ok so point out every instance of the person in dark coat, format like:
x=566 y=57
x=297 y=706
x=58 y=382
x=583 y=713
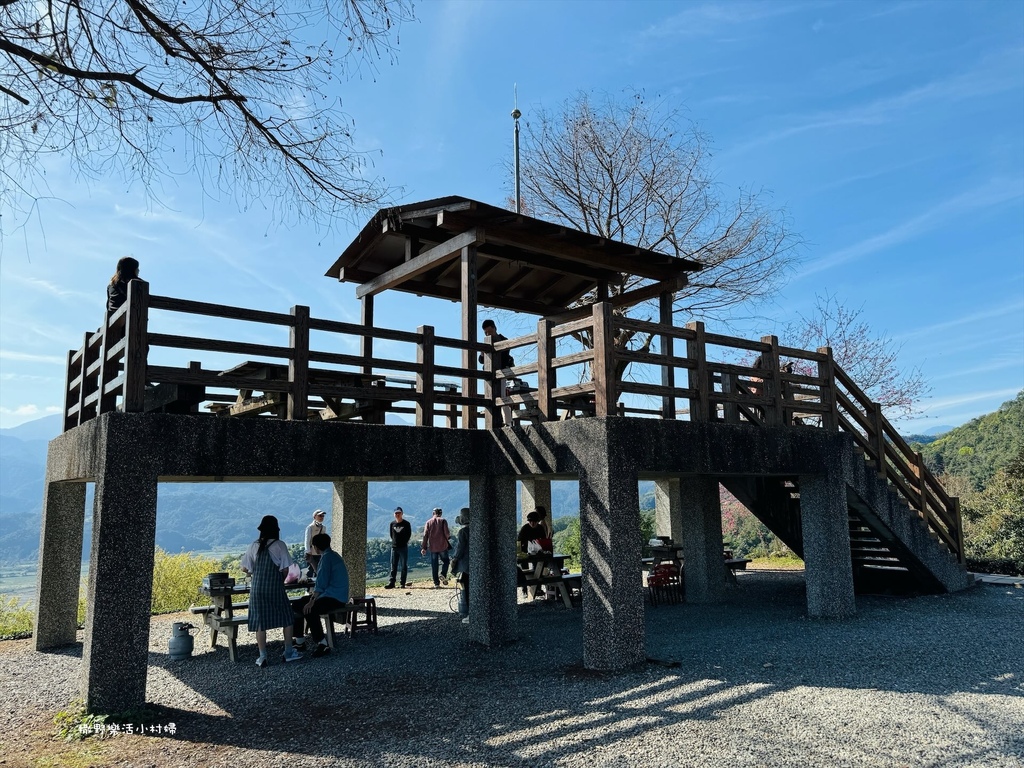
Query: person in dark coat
x=460 y=562
x=117 y=289
x=400 y=532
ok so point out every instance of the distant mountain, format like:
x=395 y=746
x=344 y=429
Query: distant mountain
x=208 y=516
x=980 y=447
x=45 y=428
x=939 y=430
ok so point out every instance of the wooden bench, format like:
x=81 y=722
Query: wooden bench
x=203 y=610
x=555 y=580
x=229 y=626
x=349 y=618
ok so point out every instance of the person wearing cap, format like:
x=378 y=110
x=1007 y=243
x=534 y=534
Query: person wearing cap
x=400 y=532
x=267 y=561
x=460 y=562
x=314 y=528
x=436 y=541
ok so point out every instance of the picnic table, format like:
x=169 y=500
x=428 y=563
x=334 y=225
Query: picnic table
x=327 y=384
x=546 y=569
x=220 y=615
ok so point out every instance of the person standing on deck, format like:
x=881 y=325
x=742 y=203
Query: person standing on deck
x=503 y=360
x=436 y=541
x=330 y=592
x=314 y=528
x=400 y=532
x=267 y=561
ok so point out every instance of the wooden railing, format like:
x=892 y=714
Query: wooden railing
x=690 y=374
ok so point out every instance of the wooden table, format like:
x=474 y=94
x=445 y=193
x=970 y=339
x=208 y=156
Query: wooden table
x=220 y=616
x=536 y=567
x=274 y=397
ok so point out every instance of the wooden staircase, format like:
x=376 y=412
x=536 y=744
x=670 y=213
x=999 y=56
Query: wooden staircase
x=893 y=547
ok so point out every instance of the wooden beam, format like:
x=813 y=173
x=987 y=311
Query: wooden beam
x=627 y=299
x=420 y=264
x=469 y=300
x=646 y=264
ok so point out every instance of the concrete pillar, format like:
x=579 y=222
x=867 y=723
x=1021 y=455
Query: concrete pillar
x=348 y=531
x=828 y=565
x=60 y=563
x=704 y=569
x=613 y=595
x=115 y=655
x=536 y=492
x=493 y=616
x=668 y=511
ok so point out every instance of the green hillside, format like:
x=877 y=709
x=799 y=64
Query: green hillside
x=980 y=447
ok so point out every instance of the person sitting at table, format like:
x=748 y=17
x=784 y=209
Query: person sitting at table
x=544 y=521
x=267 y=561
x=330 y=592
x=317 y=526
x=533 y=530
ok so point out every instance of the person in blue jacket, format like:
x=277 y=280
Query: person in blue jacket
x=330 y=592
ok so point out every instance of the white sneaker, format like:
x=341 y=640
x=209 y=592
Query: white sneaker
x=466 y=620
x=292 y=655
x=261 y=662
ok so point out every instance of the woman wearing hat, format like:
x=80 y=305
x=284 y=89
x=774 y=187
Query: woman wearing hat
x=267 y=561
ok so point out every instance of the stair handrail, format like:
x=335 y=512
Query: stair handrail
x=898 y=464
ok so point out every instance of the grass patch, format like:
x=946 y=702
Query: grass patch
x=15 y=618
x=783 y=563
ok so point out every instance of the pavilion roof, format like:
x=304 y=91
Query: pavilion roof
x=523 y=264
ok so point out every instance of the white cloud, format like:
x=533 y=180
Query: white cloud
x=996 y=192
x=30 y=409
x=974 y=317
x=28 y=357
x=996 y=73
x=710 y=19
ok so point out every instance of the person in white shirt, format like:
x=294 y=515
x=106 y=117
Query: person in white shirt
x=314 y=528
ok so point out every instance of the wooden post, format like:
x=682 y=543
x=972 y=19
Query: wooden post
x=83 y=387
x=878 y=437
x=603 y=366
x=827 y=387
x=960 y=555
x=920 y=472
x=69 y=376
x=366 y=342
x=696 y=350
x=136 y=346
x=108 y=370
x=771 y=384
x=298 y=364
x=545 y=373
x=668 y=373
x=469 y=332
x=491 y=388
x=730 y=410
x=425 y=377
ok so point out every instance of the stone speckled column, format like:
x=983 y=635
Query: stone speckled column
x=826 y=537
x=668 y=510
x=613 y=596
x=704 y=569
x=60 y=563
x=348 y=531
x=115 y=655
x=493 y=616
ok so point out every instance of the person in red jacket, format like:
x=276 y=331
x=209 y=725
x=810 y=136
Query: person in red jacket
x=437 y=541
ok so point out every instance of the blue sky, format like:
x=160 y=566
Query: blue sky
x=892 y=134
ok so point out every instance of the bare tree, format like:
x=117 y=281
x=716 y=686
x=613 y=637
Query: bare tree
x=638 y=173
x=126 y=85
x=870 y=358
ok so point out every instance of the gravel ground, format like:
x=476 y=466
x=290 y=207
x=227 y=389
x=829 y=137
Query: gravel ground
x=921 y=681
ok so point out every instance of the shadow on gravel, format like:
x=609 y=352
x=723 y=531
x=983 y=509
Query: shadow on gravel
x=422 y=691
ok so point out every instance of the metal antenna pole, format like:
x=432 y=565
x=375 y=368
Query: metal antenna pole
x=516 y=114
